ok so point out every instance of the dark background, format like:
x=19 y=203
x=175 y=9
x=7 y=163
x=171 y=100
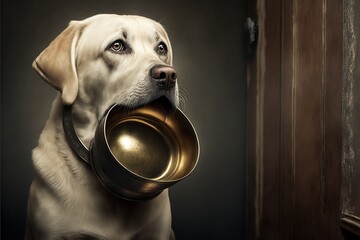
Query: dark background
x=210 y=61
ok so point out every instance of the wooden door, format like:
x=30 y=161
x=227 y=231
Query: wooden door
x=295 y=122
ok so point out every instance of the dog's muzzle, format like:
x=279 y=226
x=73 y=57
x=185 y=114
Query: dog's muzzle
x=137 y=154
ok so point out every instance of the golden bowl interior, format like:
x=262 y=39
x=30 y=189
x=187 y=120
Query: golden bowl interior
x=153 y=142
x=143 y=148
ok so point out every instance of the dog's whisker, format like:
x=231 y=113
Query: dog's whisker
x=183 y=96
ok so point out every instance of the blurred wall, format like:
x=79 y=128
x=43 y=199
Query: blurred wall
x=209 y=58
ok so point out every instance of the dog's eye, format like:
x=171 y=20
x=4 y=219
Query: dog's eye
x=161 y=49
x=118 y=46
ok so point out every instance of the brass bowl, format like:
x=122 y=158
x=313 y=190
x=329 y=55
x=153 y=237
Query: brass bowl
x=138 y=153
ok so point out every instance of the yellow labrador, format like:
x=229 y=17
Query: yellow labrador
x=94 y=63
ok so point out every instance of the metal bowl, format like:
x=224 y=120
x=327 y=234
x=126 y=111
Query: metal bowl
x=138 y=153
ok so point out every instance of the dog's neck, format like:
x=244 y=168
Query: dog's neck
x=85 y=121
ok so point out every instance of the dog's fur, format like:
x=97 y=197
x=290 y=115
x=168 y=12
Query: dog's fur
x=66 y=201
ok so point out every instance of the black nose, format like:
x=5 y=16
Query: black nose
x=164 y=76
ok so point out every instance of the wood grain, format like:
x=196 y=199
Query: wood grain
x=294 y=176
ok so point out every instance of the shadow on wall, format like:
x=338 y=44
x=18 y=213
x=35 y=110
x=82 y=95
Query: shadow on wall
x=209 y=58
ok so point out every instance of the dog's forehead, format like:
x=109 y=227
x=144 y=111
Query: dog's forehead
x=130 y=26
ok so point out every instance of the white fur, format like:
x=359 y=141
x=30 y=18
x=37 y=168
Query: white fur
x=66 y=201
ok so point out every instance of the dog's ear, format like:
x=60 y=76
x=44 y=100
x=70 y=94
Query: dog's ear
x=56 y=64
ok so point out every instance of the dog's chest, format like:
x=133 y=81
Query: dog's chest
x=70 y=202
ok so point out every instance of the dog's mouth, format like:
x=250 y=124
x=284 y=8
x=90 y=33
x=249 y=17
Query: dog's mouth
x=169 y=102
x=161 y=100
x=143 y=101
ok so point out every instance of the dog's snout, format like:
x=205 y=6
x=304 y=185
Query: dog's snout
x=164 y=76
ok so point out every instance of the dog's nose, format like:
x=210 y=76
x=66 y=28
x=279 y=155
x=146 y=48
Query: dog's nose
x=165 y=76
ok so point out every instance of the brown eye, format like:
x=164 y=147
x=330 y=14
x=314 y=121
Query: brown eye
x=161 y=49
x=118 y=46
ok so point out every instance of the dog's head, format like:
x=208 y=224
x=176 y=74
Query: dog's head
x=109 y=59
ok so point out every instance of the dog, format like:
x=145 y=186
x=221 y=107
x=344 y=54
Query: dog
x=94 y=63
